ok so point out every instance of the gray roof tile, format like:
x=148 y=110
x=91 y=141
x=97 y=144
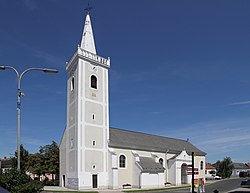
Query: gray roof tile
x=148 y=164
x=147 y=142
x=240 y=166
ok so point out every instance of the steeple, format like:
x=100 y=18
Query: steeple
x=88 y=42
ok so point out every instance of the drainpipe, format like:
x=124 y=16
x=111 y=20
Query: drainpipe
x=166 y=165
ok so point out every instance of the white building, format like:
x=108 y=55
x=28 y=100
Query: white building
x=93 y=155
x=239 y=167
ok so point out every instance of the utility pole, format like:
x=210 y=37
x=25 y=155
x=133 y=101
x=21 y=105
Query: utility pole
x=19 y=95
x=192 y=172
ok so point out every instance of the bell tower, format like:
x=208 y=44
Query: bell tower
x=84 y=147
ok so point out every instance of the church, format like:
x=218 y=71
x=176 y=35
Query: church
x=95 y=156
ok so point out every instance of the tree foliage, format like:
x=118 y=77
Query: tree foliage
x=46 y=161
x=224 y=168
x=19 y=182
x=50 y=155
x=35 y=164
x=24 y=155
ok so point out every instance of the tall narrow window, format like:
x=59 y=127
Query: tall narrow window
x=161 y=161
x=93 y=82
x=201 y=165
x=72 y=84
x=122 y=161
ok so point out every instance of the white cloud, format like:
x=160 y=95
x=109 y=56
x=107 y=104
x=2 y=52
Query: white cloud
x=48 y=58
x=239 y=103
x=228 y=140
x=32 y=141
x=218 y=138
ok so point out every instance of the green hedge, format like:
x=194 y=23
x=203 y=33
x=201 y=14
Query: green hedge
x=51 y=182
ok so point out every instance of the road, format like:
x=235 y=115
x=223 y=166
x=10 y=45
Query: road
x=223 y=186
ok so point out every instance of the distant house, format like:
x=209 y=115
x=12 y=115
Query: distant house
x=209 y=168
x=239 y=167
x=5 y=164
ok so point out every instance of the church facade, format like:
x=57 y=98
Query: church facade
x=93 y=155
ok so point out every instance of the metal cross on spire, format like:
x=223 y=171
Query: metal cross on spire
x=88 y=9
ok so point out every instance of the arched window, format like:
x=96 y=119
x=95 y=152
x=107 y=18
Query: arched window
x=93 y=82
x=201 y=165
x=122 y=161
x=161 y=161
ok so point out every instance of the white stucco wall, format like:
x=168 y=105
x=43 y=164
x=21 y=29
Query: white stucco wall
x=175 y=165
x=152 y=180
x=131 y=173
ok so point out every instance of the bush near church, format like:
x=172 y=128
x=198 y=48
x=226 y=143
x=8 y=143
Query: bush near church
x=19 y=182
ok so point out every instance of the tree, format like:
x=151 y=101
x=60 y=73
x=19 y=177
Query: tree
x=50 y=155
x=46 y=161
x=24 y=154
x=225 y=167
x=35 y=164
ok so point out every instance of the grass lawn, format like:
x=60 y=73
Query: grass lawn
x=158 y=189
x=68 y=191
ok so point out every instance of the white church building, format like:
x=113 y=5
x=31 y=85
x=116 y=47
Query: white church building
x=93 y=155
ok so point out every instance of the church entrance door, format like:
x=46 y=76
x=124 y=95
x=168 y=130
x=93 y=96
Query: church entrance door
x=94 y=181
x=184 y=174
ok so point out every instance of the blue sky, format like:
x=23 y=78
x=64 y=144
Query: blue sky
x=178 y=68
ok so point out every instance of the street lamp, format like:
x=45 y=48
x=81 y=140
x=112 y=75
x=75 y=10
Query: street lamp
x=19 y=95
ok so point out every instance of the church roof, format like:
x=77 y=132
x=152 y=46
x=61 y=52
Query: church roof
x=148 y=164
x=147 y=142
x=88 y=42
x=209 y=166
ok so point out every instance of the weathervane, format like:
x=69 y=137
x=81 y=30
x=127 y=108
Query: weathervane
x=88 y=9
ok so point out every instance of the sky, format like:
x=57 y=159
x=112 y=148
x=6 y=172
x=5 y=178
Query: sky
x=179 y=69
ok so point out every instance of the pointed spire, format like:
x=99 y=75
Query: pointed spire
x=88 y=42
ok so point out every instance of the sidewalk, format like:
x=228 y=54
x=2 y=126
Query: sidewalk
x=60 y=189
x=56 y=189
x=240 y=190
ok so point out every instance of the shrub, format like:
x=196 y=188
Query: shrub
x=51 y=182
x=212 y=172
x=18 y=182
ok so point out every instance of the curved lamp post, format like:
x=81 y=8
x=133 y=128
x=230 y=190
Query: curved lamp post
x=19 y=95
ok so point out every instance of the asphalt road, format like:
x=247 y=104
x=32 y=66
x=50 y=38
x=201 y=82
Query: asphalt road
x=223 y=186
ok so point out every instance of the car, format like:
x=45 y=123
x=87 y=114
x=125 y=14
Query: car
x=212 y=177
x=245 y=184
x=217 y=177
